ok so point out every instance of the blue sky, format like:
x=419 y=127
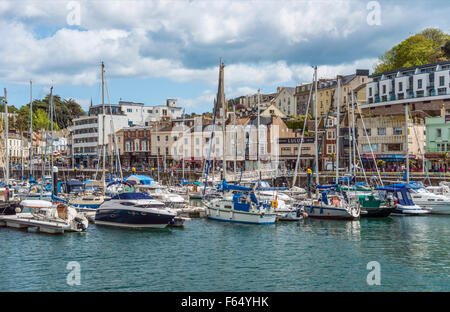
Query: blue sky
x=155 y=50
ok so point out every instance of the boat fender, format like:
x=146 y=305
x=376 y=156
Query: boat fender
x=274 y=204
x=305 y=215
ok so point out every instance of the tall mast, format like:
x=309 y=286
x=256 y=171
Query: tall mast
x=338 y=126
x=31 y=128
x=7 y=139
x=235 y=137
x=406 y=142
x=353 y=135
x=257 y=139
x=350 y=140
x=223 y=102
x=103 y=127
x=51 y=130
x=316 y=132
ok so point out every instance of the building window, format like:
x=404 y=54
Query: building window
x=367 y=148
x=369 y=131
x=439 y=133
x=157 y=138
x=370 y=91
x=136 y=145
x=331 y=135
x=396 y=147
x=400 y=86
x=419 y=84
x=384 y=89
x=397 y=131
x=167 y=138
x=441 y=81
x=129 y=110
x=381 y=131
x=128 y=146
x=331 y=148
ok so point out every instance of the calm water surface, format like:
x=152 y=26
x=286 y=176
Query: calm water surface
x=311 y=255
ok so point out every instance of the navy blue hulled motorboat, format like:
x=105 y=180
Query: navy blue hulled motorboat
x=134 y=210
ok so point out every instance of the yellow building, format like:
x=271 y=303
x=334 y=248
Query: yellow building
x=325 y=89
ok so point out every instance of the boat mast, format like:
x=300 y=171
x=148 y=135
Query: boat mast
x=301 y=140
x=257 y=139
x=7 y=139
x=353 y=136
x=51 y=131
x=223 y=102
x=103 y=127
x=406 y=142
x=338 y=126
x=315 y=124
x=350 y=162
x=235 y=138
x=31 y=128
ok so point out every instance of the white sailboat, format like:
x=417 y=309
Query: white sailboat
x=330 y=204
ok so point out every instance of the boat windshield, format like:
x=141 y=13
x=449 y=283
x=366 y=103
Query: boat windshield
x=420 y=191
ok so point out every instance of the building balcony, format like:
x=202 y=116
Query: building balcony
x=436 y=150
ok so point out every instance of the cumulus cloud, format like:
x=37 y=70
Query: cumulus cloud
x=263 y=43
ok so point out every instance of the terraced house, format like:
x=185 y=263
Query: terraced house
x=426 y=88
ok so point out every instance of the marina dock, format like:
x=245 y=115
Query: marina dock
x=25 y=221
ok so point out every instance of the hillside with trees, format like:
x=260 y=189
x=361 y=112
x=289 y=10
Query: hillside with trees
x=429 y=46
x=65 y=111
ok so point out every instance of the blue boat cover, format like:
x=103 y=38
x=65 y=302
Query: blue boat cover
x=325 y=187
x=143 y=179
x=224 y=186
x=132 y=196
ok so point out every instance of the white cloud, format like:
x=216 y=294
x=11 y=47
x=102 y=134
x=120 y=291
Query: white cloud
x=264 y=43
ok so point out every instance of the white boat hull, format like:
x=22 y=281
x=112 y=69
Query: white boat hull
x=436 y=207
x=228 y=215
x=325 y=212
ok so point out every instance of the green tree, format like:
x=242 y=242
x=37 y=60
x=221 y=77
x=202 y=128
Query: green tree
x=297 y=123
x=423 y=48
x=65 y=110
x=446 y=49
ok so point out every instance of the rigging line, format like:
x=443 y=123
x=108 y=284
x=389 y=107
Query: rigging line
x=303 y=135
x=368 y=141
x=321 y=139
x=113 y=133
x=420 y=150
x=362 y=166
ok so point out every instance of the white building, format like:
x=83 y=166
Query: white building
x=424 y=87
x=87 y=131
x=285 y=100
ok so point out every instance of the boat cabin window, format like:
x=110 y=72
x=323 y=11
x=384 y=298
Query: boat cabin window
x=127 y=203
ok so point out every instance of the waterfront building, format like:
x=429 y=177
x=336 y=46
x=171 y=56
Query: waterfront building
x=386 y=138
x=425 y=88
x=86 y=131
x=18 y=147
x=327 y=89
x=437 y=141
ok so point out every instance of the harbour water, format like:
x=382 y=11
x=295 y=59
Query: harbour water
x=310 y=255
